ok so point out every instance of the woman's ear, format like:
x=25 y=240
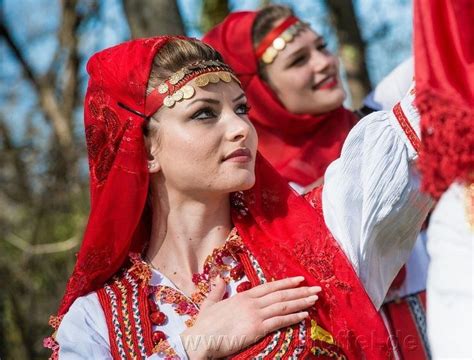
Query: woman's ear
x=153 y=148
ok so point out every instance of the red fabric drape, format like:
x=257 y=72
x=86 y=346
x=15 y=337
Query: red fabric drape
x=285 y=233
x=444 y=74
x=299 y=146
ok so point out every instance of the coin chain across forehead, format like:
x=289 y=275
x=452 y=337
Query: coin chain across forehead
x=281 y=41
x=188 y=91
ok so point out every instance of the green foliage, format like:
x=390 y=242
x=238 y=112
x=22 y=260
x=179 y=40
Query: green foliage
x=213 y=12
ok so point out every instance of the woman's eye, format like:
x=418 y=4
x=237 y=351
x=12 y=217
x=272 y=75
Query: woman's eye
x=322 y=46
x=300 y=60
x=203 y=114
x=242 y=109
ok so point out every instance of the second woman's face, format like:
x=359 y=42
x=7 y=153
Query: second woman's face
x=305 y=76
x=207 y=144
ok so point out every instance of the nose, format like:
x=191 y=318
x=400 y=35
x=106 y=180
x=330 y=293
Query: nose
x=238 y=128
x=321 y=60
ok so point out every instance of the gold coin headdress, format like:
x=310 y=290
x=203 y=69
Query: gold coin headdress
x=177 y=87
x=277 y=39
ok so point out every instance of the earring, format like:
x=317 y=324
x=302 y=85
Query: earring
x=150 y=166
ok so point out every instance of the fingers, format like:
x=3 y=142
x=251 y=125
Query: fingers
x=277 y=322
x=218 y=287
x=288 y=294
x=288 y=307
x=269 y=287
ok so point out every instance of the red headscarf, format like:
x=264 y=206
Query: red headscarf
x=444 y=73
x=286 y=235
x=299 y=146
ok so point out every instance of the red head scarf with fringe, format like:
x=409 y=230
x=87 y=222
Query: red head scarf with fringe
x=284 y=232
x=444 y=74
x=299 y=146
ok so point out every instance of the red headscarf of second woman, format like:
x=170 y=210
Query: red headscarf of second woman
x=296 y=109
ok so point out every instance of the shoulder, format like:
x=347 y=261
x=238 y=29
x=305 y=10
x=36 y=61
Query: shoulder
x=84 y=316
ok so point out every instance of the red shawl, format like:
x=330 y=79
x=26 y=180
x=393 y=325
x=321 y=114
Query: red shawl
x=287 y=236
x=299 y=146
x=444 y=73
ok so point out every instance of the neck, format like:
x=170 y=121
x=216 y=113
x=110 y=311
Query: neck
x=186 y=229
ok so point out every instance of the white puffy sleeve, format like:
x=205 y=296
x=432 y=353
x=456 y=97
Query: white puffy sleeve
x=371 y=199
x=450 y=276
x=83 y=331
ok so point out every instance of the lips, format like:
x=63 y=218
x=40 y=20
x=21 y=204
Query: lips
x=327 y=83
x=239 y=155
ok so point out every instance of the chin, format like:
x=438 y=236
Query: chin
x=331 y=101
x=243 y=183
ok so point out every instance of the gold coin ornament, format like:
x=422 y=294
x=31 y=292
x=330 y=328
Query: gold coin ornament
x=168 y=101
x=178 y=95
x=286 y=36
x=225 y=76
x=269 y=55
x=202 y=80
x=279 y=43
x=163 y=88
x=188 y=91
x=176 y=77
x=213 y=78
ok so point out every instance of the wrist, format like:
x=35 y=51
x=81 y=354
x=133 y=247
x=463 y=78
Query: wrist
x=194 y=346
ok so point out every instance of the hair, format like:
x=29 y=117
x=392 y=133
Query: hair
x=173 y=56
x=264 y=23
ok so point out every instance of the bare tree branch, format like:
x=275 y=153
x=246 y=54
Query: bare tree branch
x=21 y=175
x=352 y=48
x=68 y=41
x=152 y=18
x=41 y=249
x=45 y=93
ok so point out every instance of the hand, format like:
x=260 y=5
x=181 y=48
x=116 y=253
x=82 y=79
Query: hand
x=224 y=327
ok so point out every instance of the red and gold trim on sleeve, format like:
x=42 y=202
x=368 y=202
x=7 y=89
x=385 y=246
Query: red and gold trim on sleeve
x=406 y=127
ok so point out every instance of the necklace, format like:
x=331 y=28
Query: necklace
x=216 y=264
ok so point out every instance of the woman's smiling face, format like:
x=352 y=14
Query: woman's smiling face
x=305 y=76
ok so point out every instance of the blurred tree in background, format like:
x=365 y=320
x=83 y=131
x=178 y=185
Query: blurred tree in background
x=150 y=18
x=44 y=195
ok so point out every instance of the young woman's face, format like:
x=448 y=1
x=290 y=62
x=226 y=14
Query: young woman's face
x=206 y=144
x=305 y=76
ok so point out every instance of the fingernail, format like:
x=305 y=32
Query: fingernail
x=298 y=278
x=304 y=314
x=315 y=288
x=311 y=299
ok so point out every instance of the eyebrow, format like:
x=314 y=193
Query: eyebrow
x=214 y=101
x=239 y=97
x=301 y=49
x=208 y=100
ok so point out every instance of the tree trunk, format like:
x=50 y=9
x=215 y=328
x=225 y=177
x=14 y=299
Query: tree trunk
x=151 y=18
x=352 y=49
x=213 y=12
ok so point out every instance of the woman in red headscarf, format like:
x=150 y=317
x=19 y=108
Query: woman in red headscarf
x=196 y=247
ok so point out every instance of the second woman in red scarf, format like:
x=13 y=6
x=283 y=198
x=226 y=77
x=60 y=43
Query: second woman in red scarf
x=293 y=86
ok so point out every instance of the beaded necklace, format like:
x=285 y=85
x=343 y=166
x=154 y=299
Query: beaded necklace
x=214 y=265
